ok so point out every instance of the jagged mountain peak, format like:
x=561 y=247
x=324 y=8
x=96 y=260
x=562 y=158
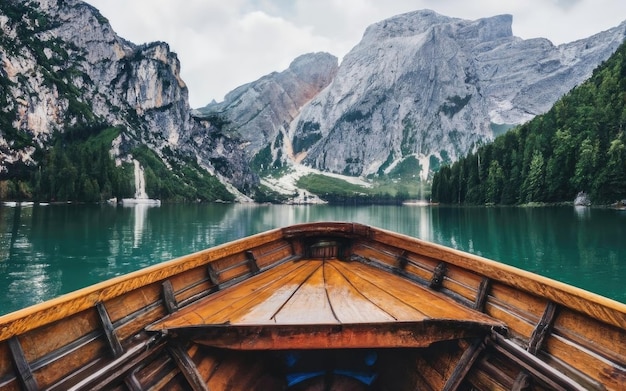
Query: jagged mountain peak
x=261 y=110
x=431 y=88
x=422 y=21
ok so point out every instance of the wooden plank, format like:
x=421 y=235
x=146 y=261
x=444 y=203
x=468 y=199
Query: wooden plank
x=517 y=326
x=66 y=365
x=235 y=271
x=398 y=309
x=422 y=270
x=30 y=318
x=543 y=329
x=609 y=374
x=519 y=310
x=341 y=229
x=348 y=304
x=367 y=251
x=157 y=373
x=309 y=303
x=24 y=372
x=464 y=365
x=602 y=339
x=187 y=367
x=333 y=336
x=7 y=368
x=38 y=345
x=432 y=304
x=274 y=286
x=114 y=370
x=136 y=323
x=169 y=298
x=132 y=302
x=273 y=298
x=438 y=275
x=109 y=331
x=273 y=252
x=489 y=377
x=539 y=369
x=186 y=283
x=482 y=294
x=591 y=304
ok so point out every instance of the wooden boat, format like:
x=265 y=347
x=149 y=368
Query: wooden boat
x=320 y=306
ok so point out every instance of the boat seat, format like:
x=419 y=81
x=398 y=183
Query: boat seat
x=325 y=304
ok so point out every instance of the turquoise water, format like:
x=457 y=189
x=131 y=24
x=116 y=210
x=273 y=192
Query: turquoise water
x=46 y=251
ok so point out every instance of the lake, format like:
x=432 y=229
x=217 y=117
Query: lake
x=46 y=251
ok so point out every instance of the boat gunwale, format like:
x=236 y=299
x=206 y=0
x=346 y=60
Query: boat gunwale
x=37 y=315
x=517 y=278
x=512 y=276
x=30 y=318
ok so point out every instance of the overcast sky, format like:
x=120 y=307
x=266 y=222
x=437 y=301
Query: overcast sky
x=223 y=44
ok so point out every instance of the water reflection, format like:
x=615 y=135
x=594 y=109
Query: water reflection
x=47 y=251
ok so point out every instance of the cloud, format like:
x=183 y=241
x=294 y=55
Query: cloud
x=224 y=44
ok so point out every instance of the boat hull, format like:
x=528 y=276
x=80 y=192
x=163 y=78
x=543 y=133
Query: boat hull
x=485 y=325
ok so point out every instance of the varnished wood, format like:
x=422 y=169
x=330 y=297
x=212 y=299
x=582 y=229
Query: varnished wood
x=187 y=367
x=169 y=299
x=555 y=379
x=363 y=288
x=332 y=336
x=437 y=279
x=109 y=331
x=24 y=371
x=482 y=294
x=464 y=365
x=306 y=296
x=543 y=328
x=591 y=304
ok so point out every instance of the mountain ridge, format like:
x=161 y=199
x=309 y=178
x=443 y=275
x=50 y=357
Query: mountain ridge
x=419 y=90
x=64 y=67
x=441 y=84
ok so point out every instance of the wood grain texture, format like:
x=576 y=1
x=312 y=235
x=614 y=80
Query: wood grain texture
x=379 y=299
x=59 y=308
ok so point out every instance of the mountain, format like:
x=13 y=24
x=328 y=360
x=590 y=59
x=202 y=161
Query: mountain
x=426 y=87
x=262 y=110
x=78 y=104
x=577 y=147
x=65 y=74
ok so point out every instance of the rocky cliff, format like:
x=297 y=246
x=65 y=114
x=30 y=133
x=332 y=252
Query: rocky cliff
x=262 y=111
x=63 y=67
x=430 y=87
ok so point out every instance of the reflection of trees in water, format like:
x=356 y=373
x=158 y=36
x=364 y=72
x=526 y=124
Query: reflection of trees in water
x=25 y=275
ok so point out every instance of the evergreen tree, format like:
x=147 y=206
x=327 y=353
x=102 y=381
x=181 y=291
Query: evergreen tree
x=579 y=145
x=534 y=184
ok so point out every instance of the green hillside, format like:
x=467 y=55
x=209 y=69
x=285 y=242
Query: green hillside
x=579 y=145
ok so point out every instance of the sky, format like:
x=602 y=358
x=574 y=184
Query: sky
x=223 y=44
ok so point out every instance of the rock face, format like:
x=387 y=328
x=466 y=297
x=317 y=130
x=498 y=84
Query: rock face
x=63 y=67
x=261 y=110
x=431 y=87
